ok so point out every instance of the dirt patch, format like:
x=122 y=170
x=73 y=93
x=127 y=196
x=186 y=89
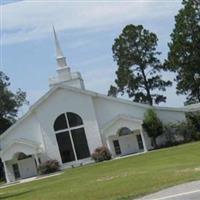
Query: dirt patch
x=108 y=178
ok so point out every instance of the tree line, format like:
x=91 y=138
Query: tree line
x=139 y=73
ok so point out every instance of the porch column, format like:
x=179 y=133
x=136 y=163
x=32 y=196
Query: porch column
x=37 y=160
x=143 y=139
x=6 y=172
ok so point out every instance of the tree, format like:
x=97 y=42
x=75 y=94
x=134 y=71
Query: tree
x=9 y=103
x=193 y=119
x=138 y=72
x=184 y=50
x=153 y=126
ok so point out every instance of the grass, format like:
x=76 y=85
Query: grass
x=115 y=180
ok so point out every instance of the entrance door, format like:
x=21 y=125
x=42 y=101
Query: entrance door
x=117 y=147
x=27 y=167
x=16 y=171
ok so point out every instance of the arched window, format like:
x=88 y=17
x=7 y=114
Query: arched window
x=21 y=156
x=124 y=131
x=71 y=138
x=74 y=119
x=60 y=123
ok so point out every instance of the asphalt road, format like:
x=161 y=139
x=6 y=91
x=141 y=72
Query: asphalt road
x=187 y=191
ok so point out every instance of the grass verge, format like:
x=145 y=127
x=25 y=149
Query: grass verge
x=121 y=179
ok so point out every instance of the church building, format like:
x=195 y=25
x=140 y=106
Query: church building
x=69 y=122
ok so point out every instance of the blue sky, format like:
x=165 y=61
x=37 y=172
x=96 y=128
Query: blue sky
x=86 y=30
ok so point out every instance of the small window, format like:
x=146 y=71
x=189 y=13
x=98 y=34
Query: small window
x=16 y=171
x=124 y=131
x=22 y=156
x=117 y=147
x=60 y=123
x=140 y=143
x=74 y=119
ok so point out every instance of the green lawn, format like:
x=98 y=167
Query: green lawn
x=115 y=180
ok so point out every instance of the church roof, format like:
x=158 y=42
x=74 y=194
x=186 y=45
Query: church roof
x=92 y=94
x=193 y=107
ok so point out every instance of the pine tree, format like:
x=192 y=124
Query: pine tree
x=138 y=73
x=184 y=50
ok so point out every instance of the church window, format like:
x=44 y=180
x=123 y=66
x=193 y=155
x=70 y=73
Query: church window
x=124 y=131
x=60 y=123
x=74 y=119
x=71 y=138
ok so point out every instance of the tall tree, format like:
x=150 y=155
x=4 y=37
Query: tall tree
x=184 y=50
x=138 y=73
x=9 y=103
x=9 y=106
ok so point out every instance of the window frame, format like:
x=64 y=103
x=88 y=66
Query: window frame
x=120 y=132
x=70 y=129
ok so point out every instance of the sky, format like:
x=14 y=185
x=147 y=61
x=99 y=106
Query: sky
x=86 y=31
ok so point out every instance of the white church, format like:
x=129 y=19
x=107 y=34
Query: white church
x=69 y=122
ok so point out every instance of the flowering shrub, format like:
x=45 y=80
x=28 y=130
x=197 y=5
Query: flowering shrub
x=101 y=153
x=48 y=167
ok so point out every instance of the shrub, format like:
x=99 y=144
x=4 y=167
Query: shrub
x=180 y=133
x=48 y=167
x=101 y=153
x=153 y=126
x=193 y=119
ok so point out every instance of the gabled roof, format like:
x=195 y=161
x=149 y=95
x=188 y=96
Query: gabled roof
x=23 y=141
x=121 y=116
x=85 y=92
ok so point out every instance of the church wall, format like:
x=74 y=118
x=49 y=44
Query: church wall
x=62 y=101
x=168 y=116
x=106 y=110
x=28 y=129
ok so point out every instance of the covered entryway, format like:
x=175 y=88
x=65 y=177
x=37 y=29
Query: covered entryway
x=124 y=135
x=25 y=166
x=22 y=166
x=126 y=142
x=20 y=159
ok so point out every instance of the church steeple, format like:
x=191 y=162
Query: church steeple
x=60 y=58
x=65 y=76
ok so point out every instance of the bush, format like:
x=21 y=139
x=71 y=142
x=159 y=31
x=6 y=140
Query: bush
x=48 y=167
x=153 y=126
x=180 y=133
x=101 y=153
x=193 y=119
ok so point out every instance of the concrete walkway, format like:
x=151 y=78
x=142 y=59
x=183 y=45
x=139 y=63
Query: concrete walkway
x=30 y=179
x=187 y=191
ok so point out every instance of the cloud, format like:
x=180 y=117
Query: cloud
x=29 y=20
x=100 y=79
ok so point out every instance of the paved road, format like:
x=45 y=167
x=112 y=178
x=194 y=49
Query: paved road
x=188 y=191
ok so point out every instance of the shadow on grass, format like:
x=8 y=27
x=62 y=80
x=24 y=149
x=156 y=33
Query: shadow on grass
x=16 y=194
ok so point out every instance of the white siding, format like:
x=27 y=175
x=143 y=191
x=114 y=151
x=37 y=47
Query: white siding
x=63 y=101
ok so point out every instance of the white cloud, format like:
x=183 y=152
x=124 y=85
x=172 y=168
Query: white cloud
x=31 y=19
x=100 y=79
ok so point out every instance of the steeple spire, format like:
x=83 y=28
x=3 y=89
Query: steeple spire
x=60 y=58
x=64 y=74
